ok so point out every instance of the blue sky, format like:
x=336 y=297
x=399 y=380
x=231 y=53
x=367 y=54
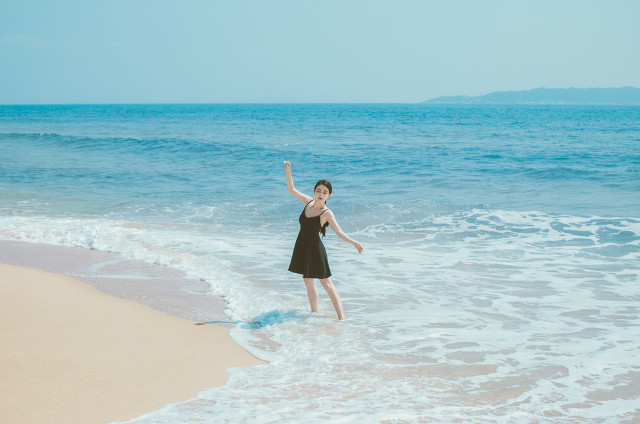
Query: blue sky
x=154 y=51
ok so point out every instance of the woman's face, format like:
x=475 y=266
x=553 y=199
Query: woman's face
x=322 y=193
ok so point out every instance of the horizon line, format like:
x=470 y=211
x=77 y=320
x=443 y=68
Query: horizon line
x=420 y=103
x=203 y=103
x=133 y=103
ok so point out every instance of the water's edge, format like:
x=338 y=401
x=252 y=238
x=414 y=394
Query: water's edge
x=158 y=287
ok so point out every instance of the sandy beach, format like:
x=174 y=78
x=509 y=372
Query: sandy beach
x=72 y=354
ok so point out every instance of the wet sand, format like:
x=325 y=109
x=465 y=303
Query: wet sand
x=161 y=288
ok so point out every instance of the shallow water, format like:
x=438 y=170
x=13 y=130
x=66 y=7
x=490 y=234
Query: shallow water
x=499 y=281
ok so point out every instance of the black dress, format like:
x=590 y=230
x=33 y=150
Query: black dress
x=309 y=256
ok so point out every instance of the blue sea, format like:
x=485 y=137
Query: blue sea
x=500 y=281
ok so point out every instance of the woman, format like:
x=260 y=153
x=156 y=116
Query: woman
x=309 y=256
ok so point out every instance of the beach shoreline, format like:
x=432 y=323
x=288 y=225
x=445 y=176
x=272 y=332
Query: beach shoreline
x=158 y=287
x=72 y=353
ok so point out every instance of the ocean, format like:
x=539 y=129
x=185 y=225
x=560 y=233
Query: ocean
x=500 y=281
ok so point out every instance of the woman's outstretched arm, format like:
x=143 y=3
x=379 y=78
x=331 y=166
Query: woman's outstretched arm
x=298 y=195
x=336 y=228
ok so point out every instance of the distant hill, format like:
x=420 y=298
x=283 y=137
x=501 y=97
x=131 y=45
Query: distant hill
x=617 y=96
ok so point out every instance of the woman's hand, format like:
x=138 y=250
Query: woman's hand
x=287 y=165
x=358 y=247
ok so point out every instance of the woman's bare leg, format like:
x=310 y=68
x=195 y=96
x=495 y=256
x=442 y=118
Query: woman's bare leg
x=334 y=295
x=312 y=293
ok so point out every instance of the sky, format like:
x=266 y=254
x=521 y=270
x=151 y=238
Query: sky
x=322 y=51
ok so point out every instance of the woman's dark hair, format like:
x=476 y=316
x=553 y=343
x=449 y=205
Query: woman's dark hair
x=327 y=184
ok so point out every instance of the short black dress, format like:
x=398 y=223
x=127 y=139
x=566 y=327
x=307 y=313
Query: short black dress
x=309 y=256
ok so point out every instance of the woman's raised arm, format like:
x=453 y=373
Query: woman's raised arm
x=298 y=195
